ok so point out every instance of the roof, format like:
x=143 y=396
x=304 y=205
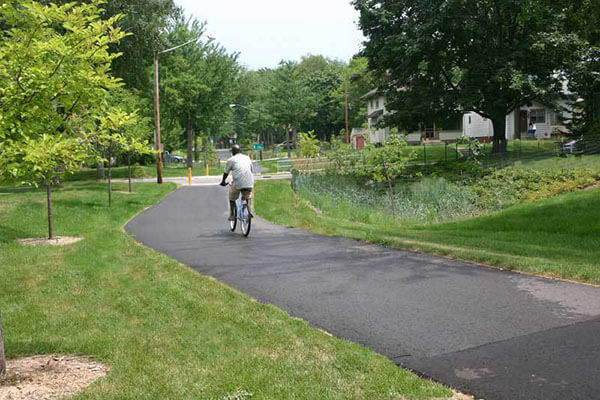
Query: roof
x=376 y=113
x=371 y=93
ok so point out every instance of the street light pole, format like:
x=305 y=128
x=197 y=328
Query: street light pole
x=260 y=138
x=159 y=178
x=159 y=164
x=347 y=124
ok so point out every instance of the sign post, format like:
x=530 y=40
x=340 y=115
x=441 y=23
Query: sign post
x=258 y=147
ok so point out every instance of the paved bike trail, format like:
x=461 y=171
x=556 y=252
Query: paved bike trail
x=494 y=334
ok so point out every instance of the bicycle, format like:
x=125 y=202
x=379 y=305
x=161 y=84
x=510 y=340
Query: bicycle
x=244 y=216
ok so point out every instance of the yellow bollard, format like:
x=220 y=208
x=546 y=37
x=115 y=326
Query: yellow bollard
x=190 y=176
x=207 y=170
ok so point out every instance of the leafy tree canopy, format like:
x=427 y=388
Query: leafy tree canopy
x=449 y=57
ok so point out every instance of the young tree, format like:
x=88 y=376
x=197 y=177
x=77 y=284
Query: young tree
x=309 y=144
x=2 y=357
x=117 y=136
x=385 y=163
x=450 y=57
x=138 y=127
x=54 y=81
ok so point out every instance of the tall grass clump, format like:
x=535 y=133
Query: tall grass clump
x=424 y=201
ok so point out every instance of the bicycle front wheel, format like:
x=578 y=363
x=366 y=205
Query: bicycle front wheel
x=233 y=224
x=246 y=220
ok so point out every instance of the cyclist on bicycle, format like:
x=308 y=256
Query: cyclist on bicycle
x=240 y=165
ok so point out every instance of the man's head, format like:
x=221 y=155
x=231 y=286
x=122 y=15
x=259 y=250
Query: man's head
x=235 y=149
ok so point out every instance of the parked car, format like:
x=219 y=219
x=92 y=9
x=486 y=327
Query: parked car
x=573 y=147
x=170 y=158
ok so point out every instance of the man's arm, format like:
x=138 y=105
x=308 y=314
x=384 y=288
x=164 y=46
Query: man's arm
x=223 y=183
x=228 y=167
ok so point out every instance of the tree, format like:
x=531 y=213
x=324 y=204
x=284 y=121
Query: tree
x=145 y=21
x=309 y=144
x=450 y=57
x=383 y=164
x=54 y=81
x=138 y=129
x=116 y=135
x=197 y=80
x=583 y=19
x=2 y=357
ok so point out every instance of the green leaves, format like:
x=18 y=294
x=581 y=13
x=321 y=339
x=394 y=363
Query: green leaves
x=54 y=83
x=457 y=56
x=309 y=144
x=384 y=163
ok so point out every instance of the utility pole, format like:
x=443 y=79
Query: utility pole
x=347 y=125
x=159 y=178
x=159 y=164
x=289 y=130
x=260 y=137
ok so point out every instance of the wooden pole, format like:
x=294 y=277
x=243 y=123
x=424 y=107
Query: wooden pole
x=260 y=137
x=347 y=124
x=159 y=178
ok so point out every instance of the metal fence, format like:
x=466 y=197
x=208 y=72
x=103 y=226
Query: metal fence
x=424 y=156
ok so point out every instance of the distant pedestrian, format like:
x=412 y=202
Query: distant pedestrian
x=532 y=128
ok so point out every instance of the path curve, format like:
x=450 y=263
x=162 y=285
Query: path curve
x=494 y=334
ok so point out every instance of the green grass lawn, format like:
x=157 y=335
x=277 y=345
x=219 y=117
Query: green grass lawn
x=557 y=237
x=147 y=171
x=165 y=331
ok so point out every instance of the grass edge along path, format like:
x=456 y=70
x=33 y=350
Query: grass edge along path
x=164 y=330
x=558 y=237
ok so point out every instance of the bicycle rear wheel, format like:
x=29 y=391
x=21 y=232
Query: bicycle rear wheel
x=246 y=220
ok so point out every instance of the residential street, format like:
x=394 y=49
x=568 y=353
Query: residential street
x=493 y=334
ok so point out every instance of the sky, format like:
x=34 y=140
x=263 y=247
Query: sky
x=265 y=32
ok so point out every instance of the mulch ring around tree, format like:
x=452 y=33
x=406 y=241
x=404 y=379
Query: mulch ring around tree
x=48 y=377
x=56 y=241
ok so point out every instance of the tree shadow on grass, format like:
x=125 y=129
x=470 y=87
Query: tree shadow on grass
x=9 y=235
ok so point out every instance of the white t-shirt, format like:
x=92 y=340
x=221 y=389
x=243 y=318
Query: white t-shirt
x=241 y=170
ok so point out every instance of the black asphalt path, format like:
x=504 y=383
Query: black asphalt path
x=494 y=334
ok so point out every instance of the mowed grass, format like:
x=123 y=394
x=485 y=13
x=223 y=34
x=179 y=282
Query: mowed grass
x=557 y=237
x=165 y=331
x=147 y=171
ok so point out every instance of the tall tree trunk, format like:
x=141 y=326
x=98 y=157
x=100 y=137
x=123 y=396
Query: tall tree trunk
x=50 y=218
x=2 y=358
x=129 y=165
x=196 y=151
x=391 y=189
x=499 y=124
x=109 y=183
x=100 y=171
x=190 y=144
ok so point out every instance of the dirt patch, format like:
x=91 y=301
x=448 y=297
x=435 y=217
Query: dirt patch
x=122 y=192
x=461 y=396
x=592 y=186
x=57 y=241
x=48 y=377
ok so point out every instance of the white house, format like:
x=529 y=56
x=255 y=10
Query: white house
x=471 y=124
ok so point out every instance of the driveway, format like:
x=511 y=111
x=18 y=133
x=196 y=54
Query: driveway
x=491 y=333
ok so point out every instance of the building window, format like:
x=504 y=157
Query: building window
x=377 y=104
x=537 y=116
x=469 y=120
